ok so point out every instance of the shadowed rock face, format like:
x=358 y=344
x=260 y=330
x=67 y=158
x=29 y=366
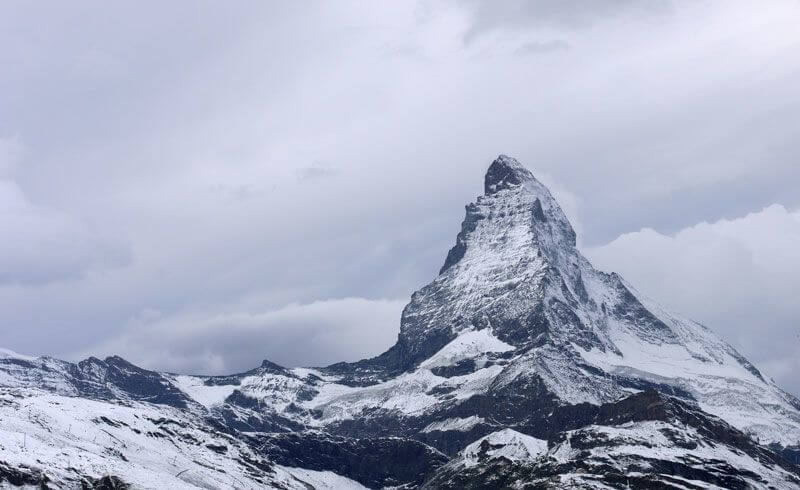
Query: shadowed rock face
x=520 y=363
x=504 y=173
x=21 y=476
x=110 y=379
x=375 y=462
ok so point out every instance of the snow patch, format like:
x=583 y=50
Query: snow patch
x=323 y=480
x=456 y=424
x=468 y=345
x=208 y=396
x=507 y=443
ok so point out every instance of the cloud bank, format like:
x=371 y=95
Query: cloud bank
x=313 y=334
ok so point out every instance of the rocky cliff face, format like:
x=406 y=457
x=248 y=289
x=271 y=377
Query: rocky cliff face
x=519 y=363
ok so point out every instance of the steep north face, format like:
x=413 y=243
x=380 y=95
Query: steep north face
x=520 y=364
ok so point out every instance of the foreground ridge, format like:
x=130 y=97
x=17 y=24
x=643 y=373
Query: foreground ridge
x=519 y=364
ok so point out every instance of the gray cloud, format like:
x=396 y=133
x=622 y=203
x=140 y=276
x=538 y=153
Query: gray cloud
x=540 y=47
x=42 y=244
x=569 y=14
x=179 y=138
x=318 y=333
x=11 y=150
x=316 y=171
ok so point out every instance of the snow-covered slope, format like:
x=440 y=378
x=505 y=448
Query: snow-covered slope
x=647 y=440
x=74 y=442
x=517 y=341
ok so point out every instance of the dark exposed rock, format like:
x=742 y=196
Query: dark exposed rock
x=538 y=212
x=791 y=453
x=375 y=462
x=22 y=476
x=218 y=448
x=504 y=173
x=252 y=414
x=460 y=248
x=95 y=379
x=108 y=482
x=461 y=368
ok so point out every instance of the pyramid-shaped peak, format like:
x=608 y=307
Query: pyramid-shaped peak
x=505 y=172
x=525 y=221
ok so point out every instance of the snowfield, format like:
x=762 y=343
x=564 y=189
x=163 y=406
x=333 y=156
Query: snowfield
x=149 y=447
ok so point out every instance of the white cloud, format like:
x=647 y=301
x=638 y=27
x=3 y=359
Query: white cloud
x=314 y=334
x=739 y=277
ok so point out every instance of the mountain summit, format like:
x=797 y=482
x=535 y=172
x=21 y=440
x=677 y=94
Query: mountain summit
x=519 y=363
x=503 y=173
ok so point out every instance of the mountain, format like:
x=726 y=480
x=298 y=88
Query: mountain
x=519 y=364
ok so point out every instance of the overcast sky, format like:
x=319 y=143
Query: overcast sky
x=199 y=186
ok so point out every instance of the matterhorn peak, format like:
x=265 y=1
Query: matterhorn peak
x=503 y=173
x=515 y=217
x=514 y=241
